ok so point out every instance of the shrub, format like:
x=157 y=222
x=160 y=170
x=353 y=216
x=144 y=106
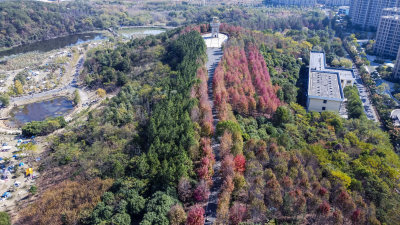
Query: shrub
x=38 y=128
x=5 y=218
x=33 y=190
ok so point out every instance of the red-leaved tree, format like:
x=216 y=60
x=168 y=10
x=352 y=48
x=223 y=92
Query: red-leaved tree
x=195 y=215
x=240 y=163
x=201 y=193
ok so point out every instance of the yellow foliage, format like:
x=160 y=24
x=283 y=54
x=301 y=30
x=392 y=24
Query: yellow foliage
x=343 y=178
x=18 y=87
x=101 y=92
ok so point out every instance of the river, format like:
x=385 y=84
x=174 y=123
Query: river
x=51 y=44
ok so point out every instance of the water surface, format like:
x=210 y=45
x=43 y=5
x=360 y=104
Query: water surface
x=51 y=44
x=139 y=32
x=39 y=111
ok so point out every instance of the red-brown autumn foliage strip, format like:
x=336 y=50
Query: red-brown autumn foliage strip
x=201 y=192
x=237 y=213
x=205 y=170
x=240 y=163
x=70 y=198
x=220 y=93
x=200 y=91
x=227 y=166
x=242 y=81
x=201 y=28
x=268 y=101
x=231 y=30
x=195 y=215
x=224 y=200
x=203 y=116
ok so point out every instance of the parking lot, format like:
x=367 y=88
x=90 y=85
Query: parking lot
x=368 y=106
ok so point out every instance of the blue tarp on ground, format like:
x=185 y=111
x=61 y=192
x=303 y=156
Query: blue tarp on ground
x=6 y=195
x=21 y=164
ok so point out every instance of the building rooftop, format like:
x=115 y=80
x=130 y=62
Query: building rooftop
x=325 y=85
x=343 y=73
x=317 y=62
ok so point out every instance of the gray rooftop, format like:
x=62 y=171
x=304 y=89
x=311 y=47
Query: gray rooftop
x=324 y=84
x=344 y=74
x=317 y=62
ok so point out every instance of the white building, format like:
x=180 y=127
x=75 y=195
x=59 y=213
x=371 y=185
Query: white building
x=301 y=3
x=324 y=91
x=337 y=2
x=325 y=84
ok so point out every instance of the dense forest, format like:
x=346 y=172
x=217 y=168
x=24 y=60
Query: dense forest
x=29 y=21
x=146 y=135
x=304 y=166
x=145 y=156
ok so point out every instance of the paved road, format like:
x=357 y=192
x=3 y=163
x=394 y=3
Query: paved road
x=365 y=98
x=214 y=56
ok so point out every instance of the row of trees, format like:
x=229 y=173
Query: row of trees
x=354 y=104
x=242 y=81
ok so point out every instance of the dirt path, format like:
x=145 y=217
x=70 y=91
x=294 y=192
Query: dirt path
x=214 y=56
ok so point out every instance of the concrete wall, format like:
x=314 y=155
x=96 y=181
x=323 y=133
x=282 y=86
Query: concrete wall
x=316 y=105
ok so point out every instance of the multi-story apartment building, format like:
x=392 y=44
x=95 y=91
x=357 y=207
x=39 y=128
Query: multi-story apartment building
x=325 y=84
x=336 y=2
x=396 y=70
x=391 y=11
x=388 y=36
x=367 y=13
x=301 y=3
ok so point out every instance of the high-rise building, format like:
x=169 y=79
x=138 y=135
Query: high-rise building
x=301 y=3
x=388 y=36
x=336 y=2
x=367 y=13
x=391 y=11
x=396 y=70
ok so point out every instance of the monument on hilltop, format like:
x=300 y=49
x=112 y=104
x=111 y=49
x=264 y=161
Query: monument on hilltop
x=215 y=27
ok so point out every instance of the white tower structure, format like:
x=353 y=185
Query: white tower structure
x=215 y=27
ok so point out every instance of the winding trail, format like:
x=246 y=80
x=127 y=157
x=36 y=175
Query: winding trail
x=214 y=57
